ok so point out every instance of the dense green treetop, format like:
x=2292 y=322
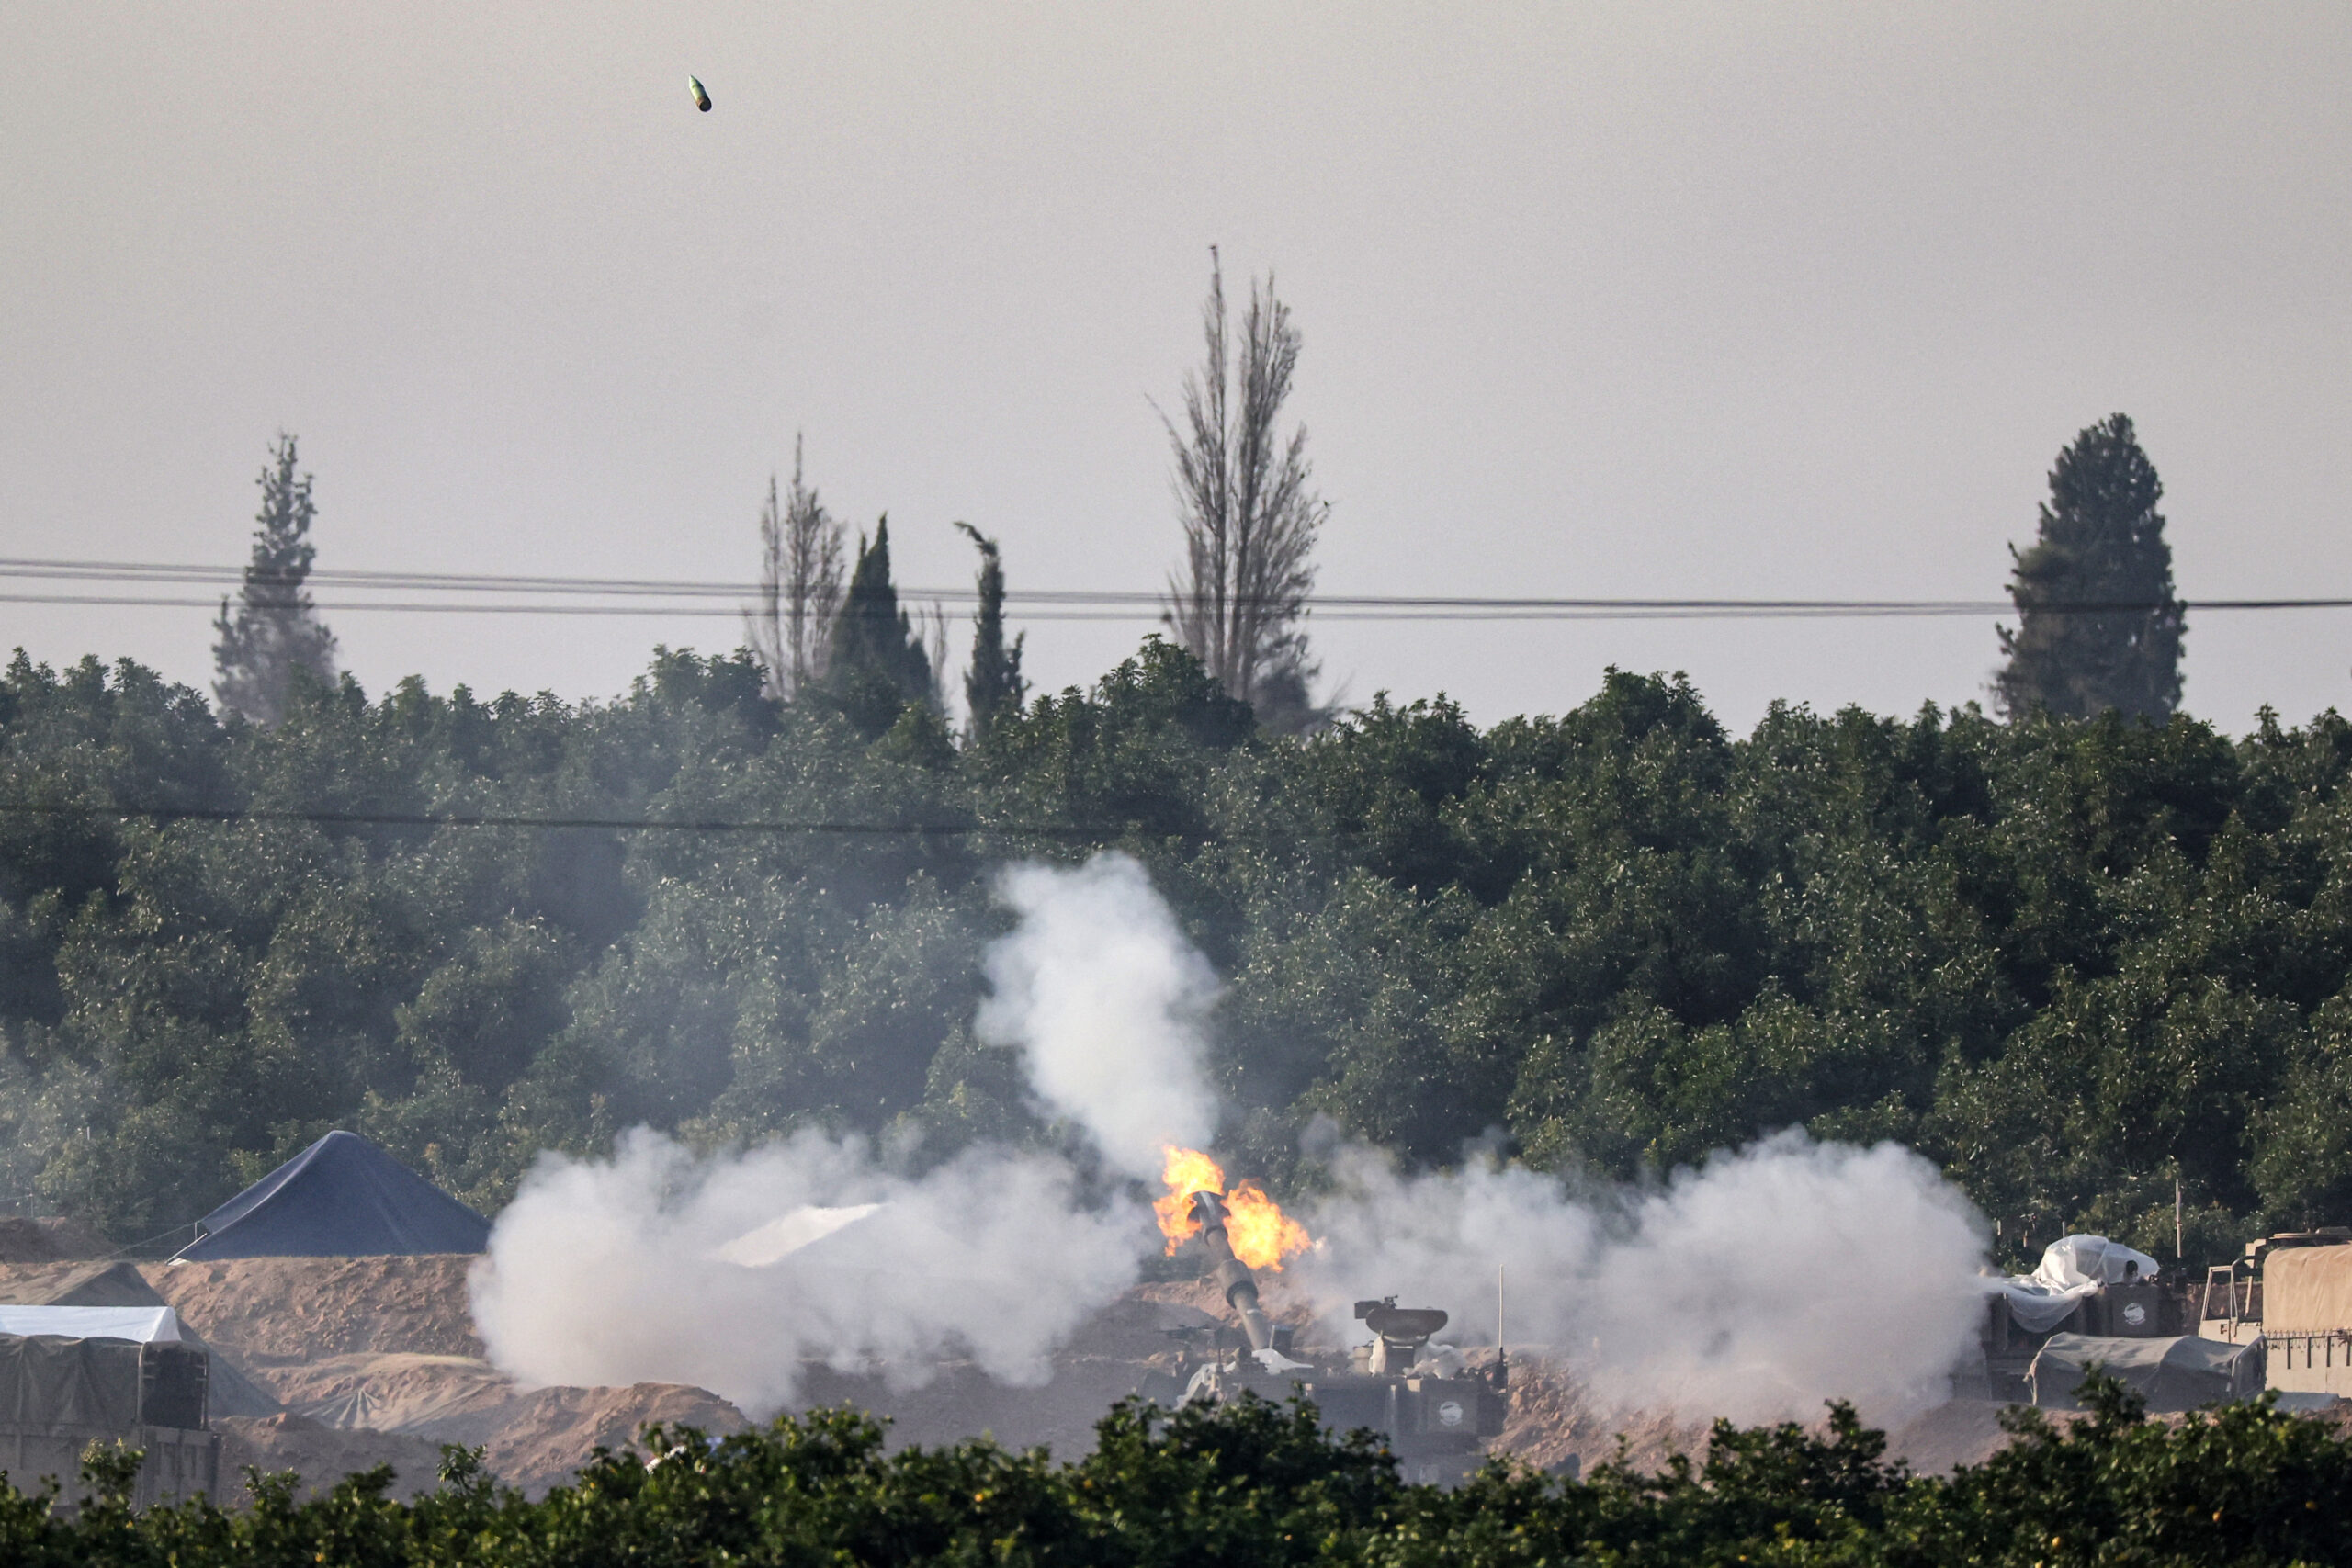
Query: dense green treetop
x=1255 y=1485
x=276 y=633
x=2101 y=544
x=875 y=664
x=2070 y=960
x=994 y=682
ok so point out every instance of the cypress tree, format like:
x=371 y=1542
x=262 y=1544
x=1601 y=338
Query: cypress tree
x=2098 y=624
x=276 y=628
x=993 y=683
x=878 y=665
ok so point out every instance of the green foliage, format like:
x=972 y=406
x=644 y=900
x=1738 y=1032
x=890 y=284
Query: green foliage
x=876 y=665
x=1260 y=1485
x=2101 y=544
x=276 y=636
x=2070 y=960
x=994 y=682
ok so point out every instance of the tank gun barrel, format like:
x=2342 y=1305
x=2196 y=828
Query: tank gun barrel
x=1232 y=1275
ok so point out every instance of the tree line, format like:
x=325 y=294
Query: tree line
x=2072 y=961
x=2100 y=623
x=1257 y=1485
x=2075 y=957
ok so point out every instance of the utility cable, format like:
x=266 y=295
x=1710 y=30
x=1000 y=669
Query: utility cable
x=79 y=812
x=1033 y=603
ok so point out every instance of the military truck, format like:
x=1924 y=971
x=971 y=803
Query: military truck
x=58 y=1394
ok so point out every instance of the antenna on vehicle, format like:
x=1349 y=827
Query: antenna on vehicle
x=1502 y=1357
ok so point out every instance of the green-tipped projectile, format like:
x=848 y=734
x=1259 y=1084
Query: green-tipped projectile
x=702 y=95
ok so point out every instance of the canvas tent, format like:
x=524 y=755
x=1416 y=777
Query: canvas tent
x=2172 y=1374
x=343 y=1197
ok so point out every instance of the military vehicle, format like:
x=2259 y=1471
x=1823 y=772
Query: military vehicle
x=1431 y=1409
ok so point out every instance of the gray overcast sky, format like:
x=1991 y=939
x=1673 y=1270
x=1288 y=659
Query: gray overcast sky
x=1641 y=300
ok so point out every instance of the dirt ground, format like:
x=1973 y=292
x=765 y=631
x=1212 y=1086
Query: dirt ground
x=276 y=1310
x=374 y=1361
x=320 y=1455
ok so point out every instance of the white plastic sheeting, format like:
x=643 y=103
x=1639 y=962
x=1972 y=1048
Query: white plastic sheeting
x=148 y=1326
x=2071 y=1268
x=787 y=1233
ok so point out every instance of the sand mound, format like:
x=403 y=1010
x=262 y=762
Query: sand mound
x=261 y=1310
x=958 y=1401
x=369 y=1348
x=399 y=1391
x=537 y=1440
x=1274 y=1294
x=532 y=1439
x=320 y=1456
x=1966 y=1431
x=76 y=1284
x=1554 y=1418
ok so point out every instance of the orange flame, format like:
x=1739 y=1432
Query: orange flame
x=1262 y=1234
x=1186 y=1171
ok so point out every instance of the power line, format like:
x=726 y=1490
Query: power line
x=80 y=812
x=675 y=598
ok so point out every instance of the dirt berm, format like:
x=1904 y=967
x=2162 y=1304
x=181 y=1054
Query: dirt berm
x=376 y=1361
x=371 y=1346
x=265 y=1310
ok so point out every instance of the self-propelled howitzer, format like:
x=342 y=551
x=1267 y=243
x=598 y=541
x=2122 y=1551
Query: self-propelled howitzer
x=1233 y=1276
x=1430 y=1409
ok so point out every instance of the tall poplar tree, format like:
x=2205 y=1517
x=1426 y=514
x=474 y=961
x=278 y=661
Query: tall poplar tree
x=790 y=626
x=993 y=683
x=276 y=629
x=2098 y=624
x=1246 y=498
x=878 y=664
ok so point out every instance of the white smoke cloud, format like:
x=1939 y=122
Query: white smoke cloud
x=606 y=1271
x=1772 y=1278
x=617 y=1271
x=1756 y=1287
x=1106 y=1000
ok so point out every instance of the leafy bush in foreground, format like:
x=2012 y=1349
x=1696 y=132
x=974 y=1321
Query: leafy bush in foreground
x=1255 y=1483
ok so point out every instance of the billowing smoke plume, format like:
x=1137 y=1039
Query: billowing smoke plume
x=1756 y=1287
x=655 y=1267
x=1770 y=1280
x=1106 y=1000
x=729 y=1272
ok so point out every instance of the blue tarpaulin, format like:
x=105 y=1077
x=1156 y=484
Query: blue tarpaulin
x=343 y=1197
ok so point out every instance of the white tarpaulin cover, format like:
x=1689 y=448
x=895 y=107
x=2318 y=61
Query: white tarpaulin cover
x=787 y=1233
x=2071 y=1268
x=148 y=1326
